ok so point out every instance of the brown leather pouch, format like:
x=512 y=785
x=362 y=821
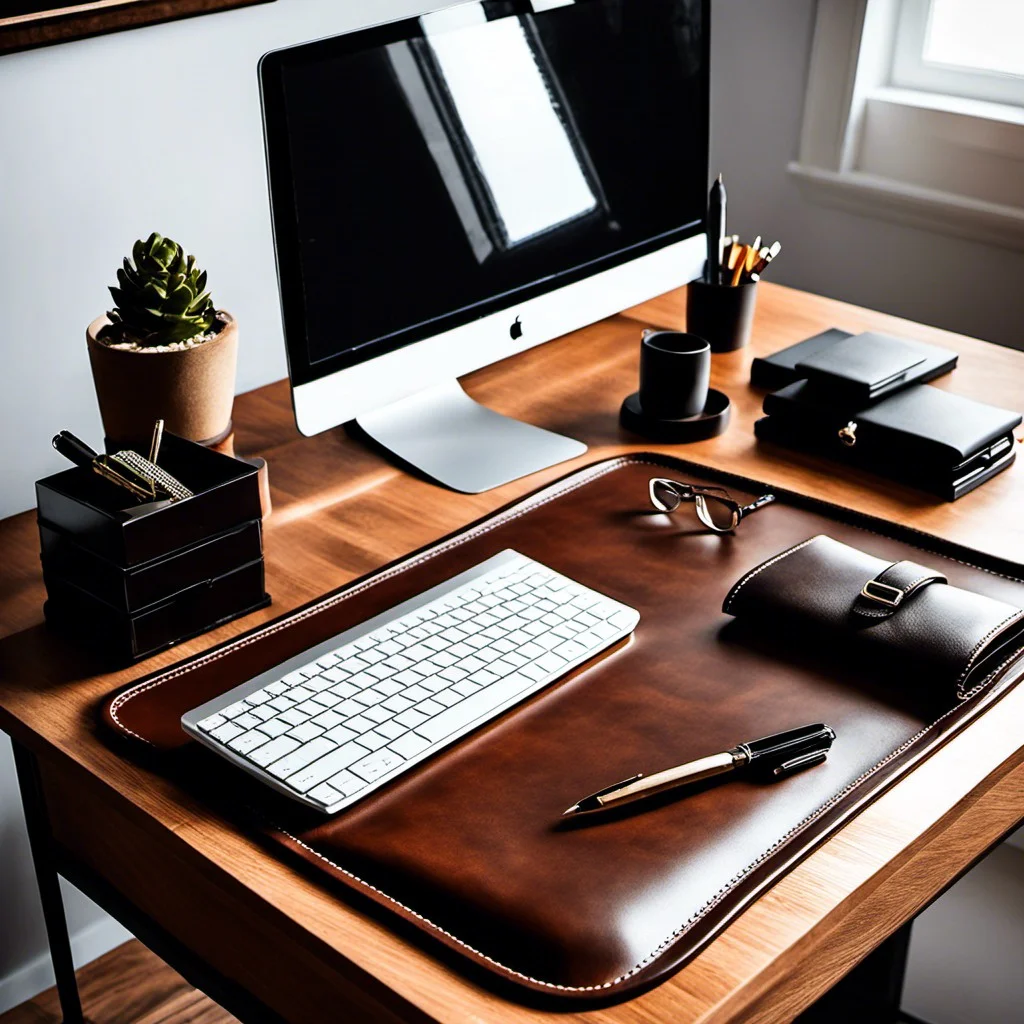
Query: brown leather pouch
x=901 y=611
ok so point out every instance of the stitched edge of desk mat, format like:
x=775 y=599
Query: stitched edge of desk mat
x=687 y=939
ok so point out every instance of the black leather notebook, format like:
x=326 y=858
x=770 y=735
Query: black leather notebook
x=851 y=368
x=941 y=442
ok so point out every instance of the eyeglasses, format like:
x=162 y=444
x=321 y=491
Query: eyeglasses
x=716 y=509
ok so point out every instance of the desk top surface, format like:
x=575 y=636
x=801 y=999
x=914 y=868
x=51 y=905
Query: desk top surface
x=341 y=511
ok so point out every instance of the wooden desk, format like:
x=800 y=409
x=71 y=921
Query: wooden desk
x=339 y=510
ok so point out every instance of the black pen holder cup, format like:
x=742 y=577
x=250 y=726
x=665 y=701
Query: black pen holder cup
x=721 y=314
x=675 y=370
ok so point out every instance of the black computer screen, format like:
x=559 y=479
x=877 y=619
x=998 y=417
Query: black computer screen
x=431 y=171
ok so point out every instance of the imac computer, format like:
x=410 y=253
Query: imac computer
x=451 y=189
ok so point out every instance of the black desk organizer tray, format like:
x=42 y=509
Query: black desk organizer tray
x=466 y=855
x=131 y=578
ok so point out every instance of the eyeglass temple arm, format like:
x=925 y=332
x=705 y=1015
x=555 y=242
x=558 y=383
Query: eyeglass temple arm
x=765 y=499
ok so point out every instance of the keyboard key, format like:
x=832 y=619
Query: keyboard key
x=274 y=727
x=353 y=665
x=388 y=687
x=325 y=793
x=293 y=678
x=347 y=783
x=434 y=683
x=408 y=677
x=328 y=699
x=211 y=723
x=273 y=750
x=368 y=698
x=328 y=720
x=429 y=707
x=282 y=703
x=409 y=745
x=416 y=693
x=344 y=689
x=391 y=729
x=448 y=697
x=570 y=650
x=264 y=712
x=399 y=702
x=324 y=767
x=293 y=716
x=373 y=739
x=411 y=718
x=228 y=731
x=248 y=741
x=341 y=734
x=453 y=674
x=247 y=721
x=466 y=687
x=359 y=724
x=275 y=689
x=299 y=758
x=236 y=709
x=379 y=713
x=257 y=697
x=349 y=708
x=318 y=684
x=373 y=767
x=299 y=694
x=308 y=708
x=306 y=731
x=551 y=662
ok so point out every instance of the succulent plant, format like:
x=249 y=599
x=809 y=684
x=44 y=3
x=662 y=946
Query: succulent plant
x=162 y=298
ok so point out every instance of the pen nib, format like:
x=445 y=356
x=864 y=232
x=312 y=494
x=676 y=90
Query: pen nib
x=570 y=810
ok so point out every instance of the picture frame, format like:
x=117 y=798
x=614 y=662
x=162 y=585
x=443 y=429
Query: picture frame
x=26 y=24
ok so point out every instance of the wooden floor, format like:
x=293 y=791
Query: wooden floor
x=129 y=985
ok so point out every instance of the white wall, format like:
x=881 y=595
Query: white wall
x=106 y=139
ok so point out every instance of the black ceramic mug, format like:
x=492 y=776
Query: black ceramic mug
x=675 y=370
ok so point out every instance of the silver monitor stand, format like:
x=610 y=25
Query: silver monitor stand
x=462 y=444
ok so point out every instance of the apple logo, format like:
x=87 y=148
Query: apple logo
x=515 y=332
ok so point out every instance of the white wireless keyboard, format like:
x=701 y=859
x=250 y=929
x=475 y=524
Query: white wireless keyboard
x=341 y=719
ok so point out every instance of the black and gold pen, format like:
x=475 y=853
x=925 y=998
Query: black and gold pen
x=772 y=757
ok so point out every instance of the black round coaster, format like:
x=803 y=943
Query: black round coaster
x=709 y=423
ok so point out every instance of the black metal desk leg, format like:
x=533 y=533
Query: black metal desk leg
x=40 y=843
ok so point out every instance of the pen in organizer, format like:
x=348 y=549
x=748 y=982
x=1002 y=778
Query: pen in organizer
x=772 y=757
x=744 y=264
x=127 y=469
x=715 y=232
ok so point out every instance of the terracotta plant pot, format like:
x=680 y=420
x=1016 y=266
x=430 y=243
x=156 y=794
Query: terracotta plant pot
x=191 y=389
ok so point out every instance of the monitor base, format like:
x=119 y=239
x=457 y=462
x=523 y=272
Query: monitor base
x=461 y=444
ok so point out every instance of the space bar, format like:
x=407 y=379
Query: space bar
x=473 y=707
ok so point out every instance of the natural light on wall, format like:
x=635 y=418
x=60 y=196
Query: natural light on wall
x=915 y=113
x=985 y=35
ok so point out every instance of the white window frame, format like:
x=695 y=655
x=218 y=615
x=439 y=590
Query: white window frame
x=911 y=71
x=959 y=168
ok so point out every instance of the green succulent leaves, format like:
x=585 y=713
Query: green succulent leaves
x=162 y=298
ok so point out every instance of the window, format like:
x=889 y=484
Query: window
x=972 y=48
x=915 y=112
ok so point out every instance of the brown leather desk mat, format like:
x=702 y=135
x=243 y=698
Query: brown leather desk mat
x=468 y=849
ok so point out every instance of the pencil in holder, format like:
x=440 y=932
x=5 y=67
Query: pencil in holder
x=721 y=314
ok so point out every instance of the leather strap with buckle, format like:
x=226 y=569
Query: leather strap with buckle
x=880 y=597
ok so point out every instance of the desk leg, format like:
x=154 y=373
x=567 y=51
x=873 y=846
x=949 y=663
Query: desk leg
x=40 y=843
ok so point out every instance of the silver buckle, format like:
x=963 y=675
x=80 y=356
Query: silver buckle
x=881 y=598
